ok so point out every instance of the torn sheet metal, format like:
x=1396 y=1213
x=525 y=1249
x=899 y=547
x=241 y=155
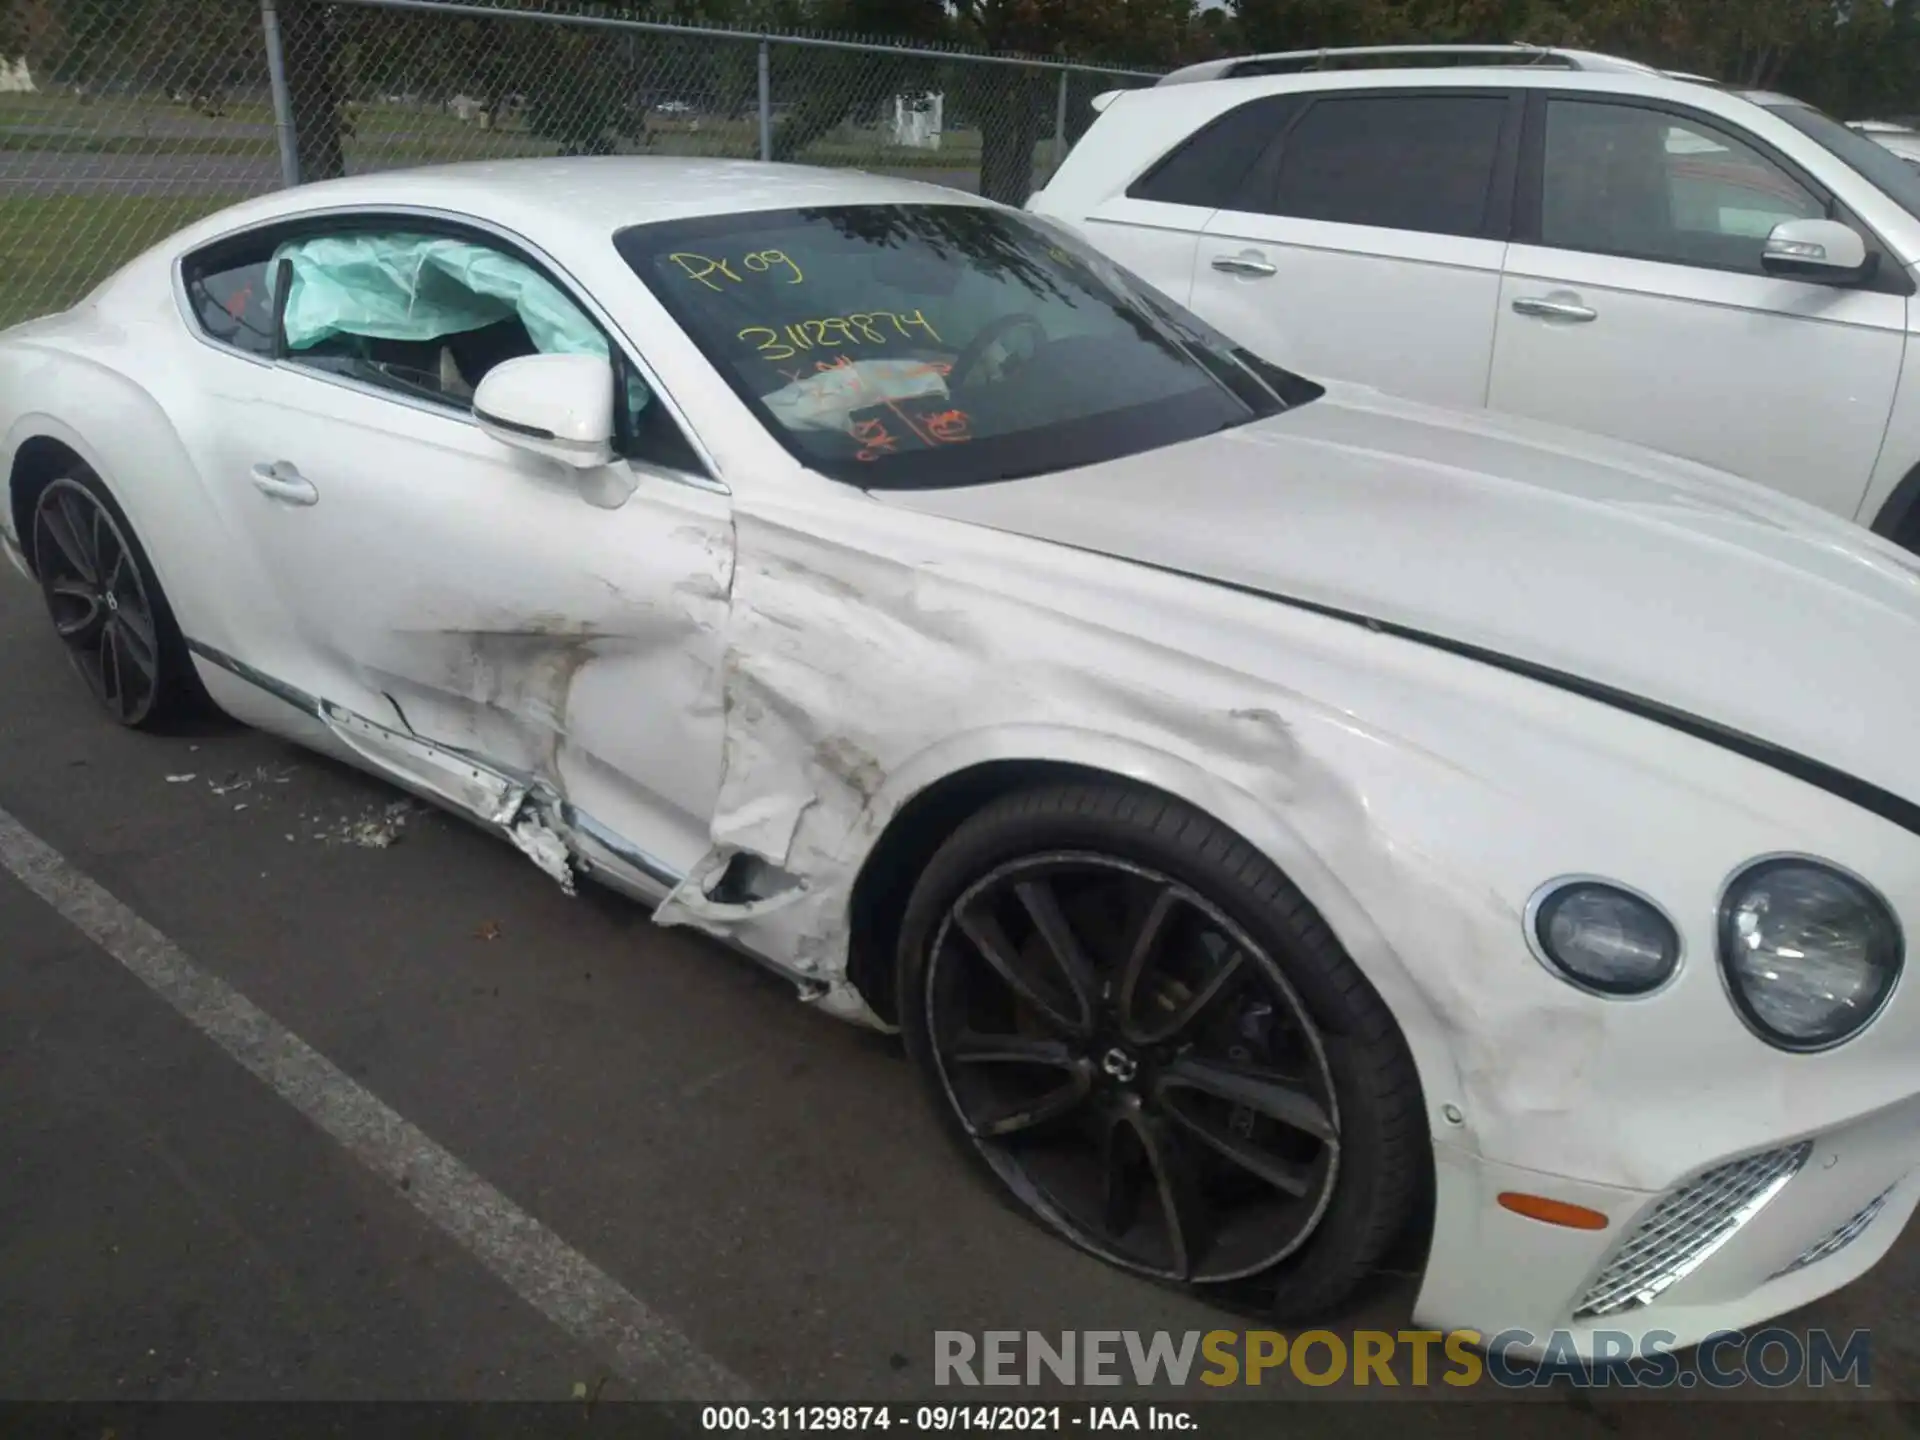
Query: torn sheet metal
x=461 y=783
x=540 y=843
x=577 y=685
x=855 y=660
x=841 y=667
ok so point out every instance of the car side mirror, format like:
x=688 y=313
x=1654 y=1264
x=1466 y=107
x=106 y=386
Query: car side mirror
x=1824 y=251
x=558 y=406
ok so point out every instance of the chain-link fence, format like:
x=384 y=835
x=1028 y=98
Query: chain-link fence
x=122 y=120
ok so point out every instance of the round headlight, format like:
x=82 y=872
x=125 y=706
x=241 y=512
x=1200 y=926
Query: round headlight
x=1810 y=953
x=1605 y=939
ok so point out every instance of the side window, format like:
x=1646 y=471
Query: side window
x=232 y=301
x=1397 y=162
x=423 y=315
x=1644 y=184
x=419 y=314
x=1208 y=167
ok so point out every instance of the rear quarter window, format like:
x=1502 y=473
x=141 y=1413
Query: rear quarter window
x=1208 y=168
x=232 y=302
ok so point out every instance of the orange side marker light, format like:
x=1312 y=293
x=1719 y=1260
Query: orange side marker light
x=1552 y=1212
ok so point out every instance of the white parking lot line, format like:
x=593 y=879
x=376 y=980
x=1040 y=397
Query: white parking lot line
x=642 y=1346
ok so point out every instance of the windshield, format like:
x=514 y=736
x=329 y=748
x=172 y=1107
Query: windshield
x=915 y=346
x=1899 y=180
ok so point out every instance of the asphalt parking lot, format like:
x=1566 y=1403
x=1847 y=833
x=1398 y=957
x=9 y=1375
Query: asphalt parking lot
x=535 y=1144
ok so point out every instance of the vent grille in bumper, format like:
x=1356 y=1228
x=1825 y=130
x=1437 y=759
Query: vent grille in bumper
x=1844 y=1236
x=1688 y=1226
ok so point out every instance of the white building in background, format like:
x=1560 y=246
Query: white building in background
x=15 y=77
x=918 y=120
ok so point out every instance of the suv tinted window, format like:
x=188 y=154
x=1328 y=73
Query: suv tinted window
x=1624 y=180
x=1208 y=167
x=1399 y=162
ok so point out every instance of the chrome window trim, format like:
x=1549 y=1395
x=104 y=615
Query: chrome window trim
x=579 y=294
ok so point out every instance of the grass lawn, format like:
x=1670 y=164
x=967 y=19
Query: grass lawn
x=54 y=249
x=405 y=134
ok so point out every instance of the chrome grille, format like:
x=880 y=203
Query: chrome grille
x=1842 y=1237
x=1687 y=1227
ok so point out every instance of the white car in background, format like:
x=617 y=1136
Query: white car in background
x=1902 y=140
x=1261 y=805
x=1725 y=276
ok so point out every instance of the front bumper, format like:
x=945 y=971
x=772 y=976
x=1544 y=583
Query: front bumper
x=1743 y=1239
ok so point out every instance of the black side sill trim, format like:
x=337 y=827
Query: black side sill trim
x=279 y=689
x=1868 y=796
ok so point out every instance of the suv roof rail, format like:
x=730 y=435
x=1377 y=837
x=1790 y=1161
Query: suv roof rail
x=1288 y=62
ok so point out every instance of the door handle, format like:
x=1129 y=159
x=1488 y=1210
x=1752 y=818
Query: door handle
x=1549 y=308
x=1244 y=265
x=283 y=482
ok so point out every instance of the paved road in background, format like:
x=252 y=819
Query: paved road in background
x=28 y=173
x=762 y=1181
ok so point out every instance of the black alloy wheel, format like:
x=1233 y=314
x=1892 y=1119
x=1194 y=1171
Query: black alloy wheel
x=1192 y=1087
x=105 y=604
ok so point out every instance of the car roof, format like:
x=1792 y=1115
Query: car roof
x=1201 y=96
x=598 y=193
x=1296 y=62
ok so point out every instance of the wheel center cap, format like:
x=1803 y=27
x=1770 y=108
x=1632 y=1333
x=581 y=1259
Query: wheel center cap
x=113 y=601
x=1120 y=1065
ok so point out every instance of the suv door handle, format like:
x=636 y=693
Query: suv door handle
x=283 y=482
x=1549 y=308
x=1244 y=265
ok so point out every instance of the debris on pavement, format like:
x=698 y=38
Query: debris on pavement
x=181 y=779
x=262 y=775
x=375 y=829
x=489 y=930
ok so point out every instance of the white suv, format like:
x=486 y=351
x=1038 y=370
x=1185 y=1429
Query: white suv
x=1726 y=276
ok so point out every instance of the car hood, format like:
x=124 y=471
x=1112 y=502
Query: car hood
x=1672 y=582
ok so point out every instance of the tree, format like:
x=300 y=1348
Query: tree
x=1017 y=107
x=833 y=84
x=1305 y=24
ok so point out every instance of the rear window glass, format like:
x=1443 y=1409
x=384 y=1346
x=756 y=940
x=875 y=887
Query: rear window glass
x=939 y=345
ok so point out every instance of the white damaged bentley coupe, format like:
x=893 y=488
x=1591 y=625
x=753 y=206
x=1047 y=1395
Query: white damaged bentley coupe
x=1269 y=810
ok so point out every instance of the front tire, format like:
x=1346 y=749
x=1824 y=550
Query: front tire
x=106 y=604
x=1157 y=1049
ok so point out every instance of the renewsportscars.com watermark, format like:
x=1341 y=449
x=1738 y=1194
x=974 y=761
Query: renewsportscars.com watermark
x=1771 y=1358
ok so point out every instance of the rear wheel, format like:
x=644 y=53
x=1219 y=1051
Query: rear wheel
x=106 y=605
x=1157 y=1049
